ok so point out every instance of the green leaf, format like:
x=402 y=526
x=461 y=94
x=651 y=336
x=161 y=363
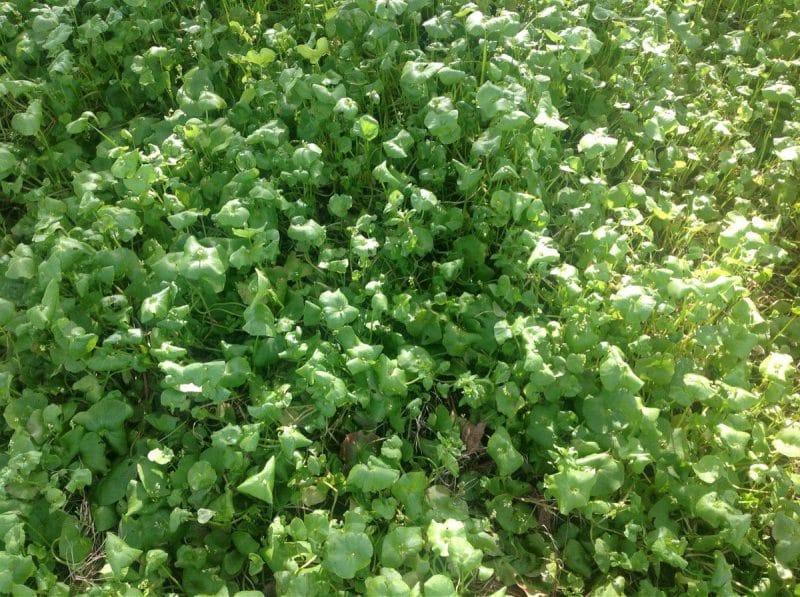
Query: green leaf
x=398 y=146
x=73 y=544
x=201 y=476
x=339 y=205
x=693 y=387
x=259 y=320
x=777 y=367
x=501 y=448
x=156 y=306
x=409 y=490
x=666 y=547
x=7 y=311
x=8 y=161
x=658 y=369
x=787 y=153
x=609 y=474
x=120 y=555
x=233 y=214
x=449 y=539
x=442 y=120
x=712 y=508
x=112 y=487
x=389 y=9
x=389 y=584
x=274 y=133
x=547 y=116
x=260 y=58
x=338 y=312
x=492 y=99
x=786 y=532
x=313 y=55
x=439 y=585
x=307 y=231
x=709 y=468
x=29 y=122
x=415 y=75
x=373 y=476
x=124 y=166
x=346 y=553
x=634 y=303
x=597 y=143
x=787 y=441
x=616 y=374
x=260 y=485
x=203 y=264
x=43 y=313
x=572 y=487
x=197 y=96
x=779 y=92
x=399 y=544
x=107 y=414
x=368 y=127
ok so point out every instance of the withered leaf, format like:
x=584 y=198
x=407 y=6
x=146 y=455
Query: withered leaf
x=472 y=436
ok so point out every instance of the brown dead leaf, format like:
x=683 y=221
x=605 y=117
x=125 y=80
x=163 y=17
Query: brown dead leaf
x=352 y=445
x=472 y=436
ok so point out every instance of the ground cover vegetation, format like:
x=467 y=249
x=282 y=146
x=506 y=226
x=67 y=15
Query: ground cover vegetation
x=399 y=297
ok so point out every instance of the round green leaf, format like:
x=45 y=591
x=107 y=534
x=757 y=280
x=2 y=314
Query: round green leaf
x=439 y=585
x=787 y=441
x=201 y=476
x=346 y=553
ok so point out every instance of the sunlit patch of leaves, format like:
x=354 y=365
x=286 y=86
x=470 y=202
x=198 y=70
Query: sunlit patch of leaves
x=399 y=297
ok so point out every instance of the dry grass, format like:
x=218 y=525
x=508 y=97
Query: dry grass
x=86 y=574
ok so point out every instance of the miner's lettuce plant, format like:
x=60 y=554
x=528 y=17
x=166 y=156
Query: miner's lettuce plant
x=399 y=297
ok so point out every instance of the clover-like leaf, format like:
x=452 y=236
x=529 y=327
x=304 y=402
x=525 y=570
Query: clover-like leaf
x=492 y=99
x=387 y=9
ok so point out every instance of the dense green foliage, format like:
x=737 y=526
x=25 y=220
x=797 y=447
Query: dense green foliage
x=399 y=297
